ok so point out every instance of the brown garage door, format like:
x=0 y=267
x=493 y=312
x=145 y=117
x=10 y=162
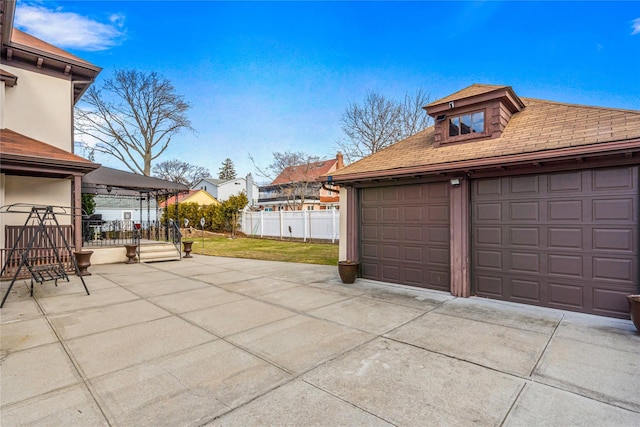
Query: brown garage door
x=565 y=240
x=405 y=234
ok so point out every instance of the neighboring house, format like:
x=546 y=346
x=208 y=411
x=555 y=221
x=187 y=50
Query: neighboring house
x=39 y=86
x=223 y=189
x=297 y=188
x=510 y=198
x=126 y=208
x=200 y=197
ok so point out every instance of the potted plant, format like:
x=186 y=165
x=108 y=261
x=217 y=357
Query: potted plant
x=348 y=270
x=634 y=310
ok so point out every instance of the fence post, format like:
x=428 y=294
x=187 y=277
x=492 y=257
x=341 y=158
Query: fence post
x=281 y=225
x=305 y=216
x=333 y=225
x=261 y=223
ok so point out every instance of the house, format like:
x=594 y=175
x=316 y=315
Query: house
x=297 y=188
x=39 y=86
x=509 y=198
x=200 y=197
x=223 y=189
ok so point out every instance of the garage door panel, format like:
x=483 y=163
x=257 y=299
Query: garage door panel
x=410 y=244
x=390 y=194
x=524 y=262
x=488 y=259
x=438 y=235
x=413 y=276
x=489 y=187
x=524 y=184
x=370 y=232
x=412 y=214
x=412 y=193
x=489 y=212
x=488 y=236
x=527 y=291
x=370 y=250
x=414 y=234
x=584 y=255
x=438 y=214
x=435 y=191
x=613 y=239
x=566 y=265
x=391 y=252
x=564 y=238
x=370 y=215
x=609 y=179
x=564 y=182
x=390 y=214
x=489 y=286
x=566 y=295
x=391 y=273
x=439 y=280
x=524 y=211
x=613 y=269
x=524 y=236
x=370 y=269
x=611 y=302
x=565 y=210
x=613 y=210
x=391 y=233
x=414 y=253
x=368 y=195
x=438 y=256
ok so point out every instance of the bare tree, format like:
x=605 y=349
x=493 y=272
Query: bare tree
x=293 y=177
x=380 y=122
x=181 y=172
x=133 y=118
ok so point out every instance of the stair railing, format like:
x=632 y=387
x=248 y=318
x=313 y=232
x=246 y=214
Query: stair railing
x=175 y=235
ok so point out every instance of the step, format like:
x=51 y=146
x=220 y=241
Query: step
x=159 y=252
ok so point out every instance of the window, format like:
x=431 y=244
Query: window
x=466 y=124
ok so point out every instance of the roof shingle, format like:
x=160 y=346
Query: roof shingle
x=542 y=126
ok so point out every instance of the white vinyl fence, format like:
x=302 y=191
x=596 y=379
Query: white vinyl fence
x=305 y=225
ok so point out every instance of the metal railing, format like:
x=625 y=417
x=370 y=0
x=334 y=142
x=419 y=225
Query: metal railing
x=174 y=235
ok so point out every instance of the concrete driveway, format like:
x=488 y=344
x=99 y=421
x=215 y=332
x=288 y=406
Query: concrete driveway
x=226 y=341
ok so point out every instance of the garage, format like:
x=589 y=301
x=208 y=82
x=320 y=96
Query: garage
x=564 y=240
x=404 y=233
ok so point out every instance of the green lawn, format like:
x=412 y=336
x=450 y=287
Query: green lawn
x=271 y=250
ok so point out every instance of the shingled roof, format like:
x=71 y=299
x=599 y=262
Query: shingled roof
x=19 y=151
x=305 y=173
x=543 y=130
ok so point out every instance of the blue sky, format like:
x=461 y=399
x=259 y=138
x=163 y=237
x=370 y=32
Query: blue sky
x=275 y=76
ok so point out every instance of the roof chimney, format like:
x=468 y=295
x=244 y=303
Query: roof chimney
x=340 y=160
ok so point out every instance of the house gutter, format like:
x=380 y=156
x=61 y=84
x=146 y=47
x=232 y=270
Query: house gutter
x=622 y=147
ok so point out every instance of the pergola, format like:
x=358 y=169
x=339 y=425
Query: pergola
x=114 y=182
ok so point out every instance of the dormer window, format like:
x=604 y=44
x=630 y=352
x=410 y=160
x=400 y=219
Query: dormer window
x=466 y=124
x=475 y=113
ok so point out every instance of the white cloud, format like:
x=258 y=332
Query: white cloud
x=68 y=29
x=635 y=24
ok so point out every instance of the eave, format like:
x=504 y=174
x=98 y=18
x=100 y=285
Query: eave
x=618 y=152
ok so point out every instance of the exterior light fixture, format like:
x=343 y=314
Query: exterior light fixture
x=452 y=104
x=455 y=181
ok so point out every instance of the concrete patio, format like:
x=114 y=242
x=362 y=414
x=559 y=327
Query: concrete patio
x=225 y=341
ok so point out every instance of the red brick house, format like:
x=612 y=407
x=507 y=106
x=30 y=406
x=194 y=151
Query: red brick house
x=509 y=198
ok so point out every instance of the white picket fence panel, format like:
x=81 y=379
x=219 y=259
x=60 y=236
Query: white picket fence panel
x=305 y=225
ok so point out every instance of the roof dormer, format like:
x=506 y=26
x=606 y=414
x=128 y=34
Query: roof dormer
x=476 y=112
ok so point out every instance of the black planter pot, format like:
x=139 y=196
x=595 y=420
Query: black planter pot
x=348 y=271
x=634 y=310
x=83 y=259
